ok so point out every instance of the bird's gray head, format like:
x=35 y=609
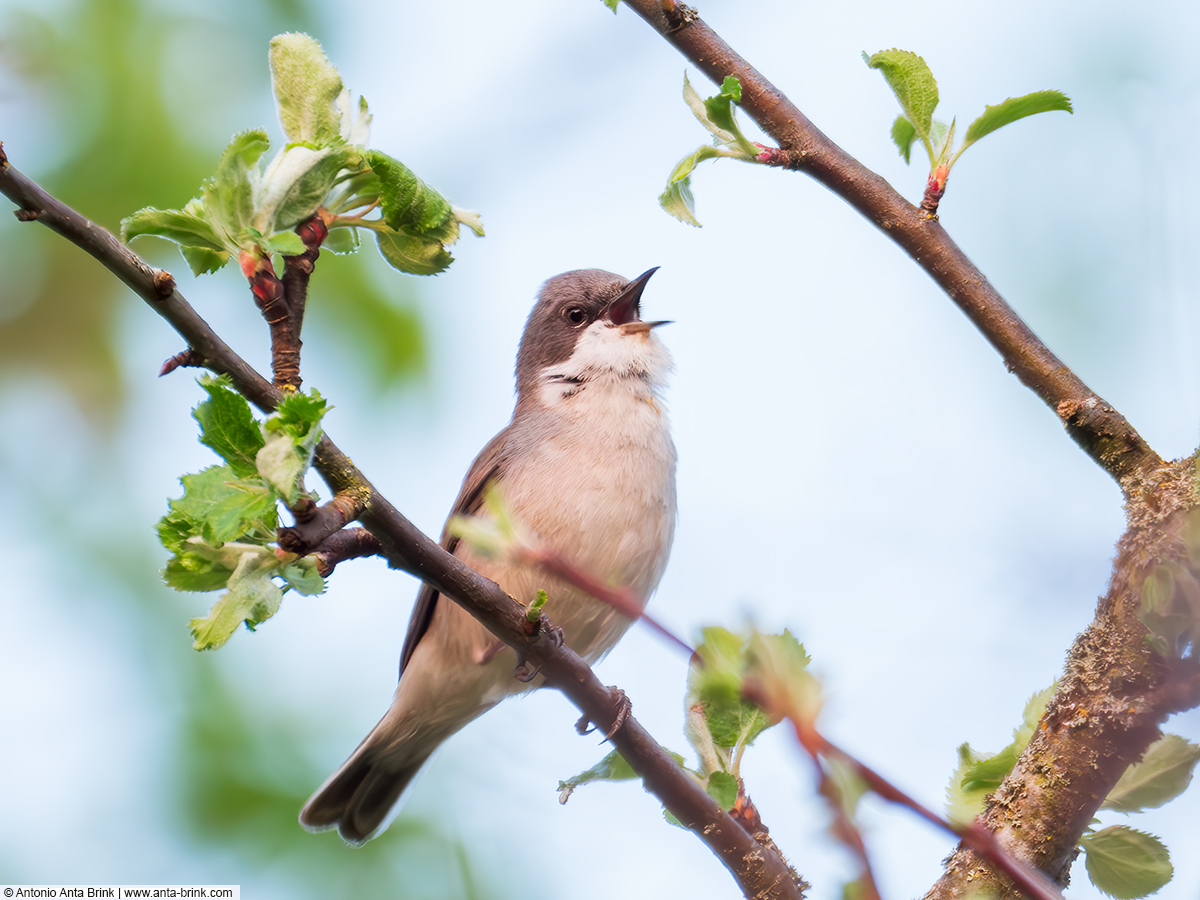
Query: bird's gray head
x=586 y=325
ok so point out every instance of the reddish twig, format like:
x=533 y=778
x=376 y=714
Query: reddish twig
x=935 y=187
x=297 y=270
x=271 y=300
x=623 y=600
x=1027 y=879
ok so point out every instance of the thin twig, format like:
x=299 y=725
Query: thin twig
x=314 y=525
x=272 y=301
x=349 y=543
x=623 y=600
x=1029 y=880
x=188 y=357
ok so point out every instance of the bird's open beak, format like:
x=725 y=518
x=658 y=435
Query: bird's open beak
x=624 y=308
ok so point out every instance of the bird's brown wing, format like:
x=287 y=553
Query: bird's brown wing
x=487 y=465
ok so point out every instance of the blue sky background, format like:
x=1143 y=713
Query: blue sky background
x=855 y=463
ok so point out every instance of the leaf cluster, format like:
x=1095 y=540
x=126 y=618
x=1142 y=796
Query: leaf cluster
x=324 y=169
x=917 y=92
x=221 y=530
x=1121 y=861
x=717 y=115
x=720 y=721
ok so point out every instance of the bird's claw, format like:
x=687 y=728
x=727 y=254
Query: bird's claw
x=556 y=634
x=621 y=712
x=524 y=672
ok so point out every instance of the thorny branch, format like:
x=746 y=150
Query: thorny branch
x=759 y=870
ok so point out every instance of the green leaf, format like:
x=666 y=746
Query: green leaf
x=720 y=106
x=341 y=240
x=722 y=787
x=228 y=195
x=611 y=4
x=978 y=774
x=470 y=218
x=1015 y=108
x=297 y=183
x=253 y=598
x=677 y=200
x=778 y=666
x=203 y=261
x=612 y=768
x=228 y=426
x=941 y=136
x=282 y=466
x=913 y=84
x=225 y=507
x=306 y=86
x=285 y=243
x=719 y=717
x=717 y=115
x=903 y=135
x=534 y=611
x=1160 y=776
x=848 y=785
x=699 y=108
x=292 y=435
x=186 y=227
x=1125 y=863
x=302 y=575
x=195 y=572
x=300 y=414
x=411 y=253
x=174 y=529
x=407 y=201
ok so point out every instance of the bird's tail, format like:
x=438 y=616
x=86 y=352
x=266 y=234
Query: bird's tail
x=358 y=798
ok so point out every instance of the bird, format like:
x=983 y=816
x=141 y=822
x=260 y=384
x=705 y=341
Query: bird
x=587 y=465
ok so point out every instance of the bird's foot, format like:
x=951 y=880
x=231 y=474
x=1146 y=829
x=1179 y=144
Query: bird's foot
x=548 y=628
x=622 y=708
x=524 y=672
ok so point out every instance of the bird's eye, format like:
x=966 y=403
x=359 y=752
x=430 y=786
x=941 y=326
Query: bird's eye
x=575 y=315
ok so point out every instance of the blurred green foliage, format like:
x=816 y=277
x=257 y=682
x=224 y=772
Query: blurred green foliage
x=109 y=90
x=106 y=83
x=245 y=780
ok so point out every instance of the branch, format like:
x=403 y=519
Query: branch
x=1097 y=427
x=316 y=523
x=349 y=543
x=1116 y=690
x=759 y=871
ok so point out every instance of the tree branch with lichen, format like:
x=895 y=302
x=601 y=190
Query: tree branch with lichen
x=1117 y=689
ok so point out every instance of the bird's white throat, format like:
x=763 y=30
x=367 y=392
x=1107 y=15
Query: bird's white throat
x=608 y=356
